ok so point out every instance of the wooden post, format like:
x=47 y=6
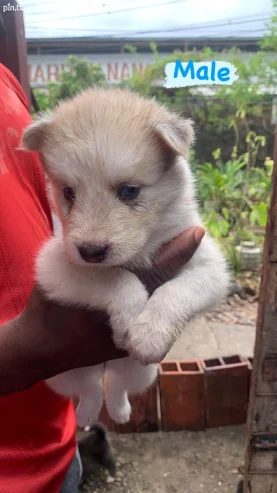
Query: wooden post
x=13 y=47
x=261 y=452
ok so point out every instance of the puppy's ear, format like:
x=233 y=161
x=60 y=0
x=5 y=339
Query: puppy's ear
x=176 y=134
x=36 y=134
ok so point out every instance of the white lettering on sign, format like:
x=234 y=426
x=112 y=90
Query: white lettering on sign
x=46 y=68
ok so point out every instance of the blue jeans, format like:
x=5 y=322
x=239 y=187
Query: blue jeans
x=74 y=475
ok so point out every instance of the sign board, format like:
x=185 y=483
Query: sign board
x=116 y=67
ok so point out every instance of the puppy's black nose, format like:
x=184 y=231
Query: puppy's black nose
x=93 y=253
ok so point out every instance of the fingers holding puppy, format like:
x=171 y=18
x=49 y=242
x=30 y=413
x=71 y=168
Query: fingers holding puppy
x=151 y=336
x=172 y=257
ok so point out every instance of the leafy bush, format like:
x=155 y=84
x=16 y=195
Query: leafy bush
x=225 y=114
x=234 y=196
x=225 y=117
x=80 y=75
x=236 y=191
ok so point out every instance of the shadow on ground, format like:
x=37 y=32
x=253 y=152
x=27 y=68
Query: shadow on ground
x=183 y=462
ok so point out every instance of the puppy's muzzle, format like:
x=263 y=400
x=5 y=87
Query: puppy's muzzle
x=93 y=253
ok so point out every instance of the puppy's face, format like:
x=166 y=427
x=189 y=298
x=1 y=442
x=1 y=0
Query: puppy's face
x=108 y=155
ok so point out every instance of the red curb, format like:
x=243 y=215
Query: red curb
x=182 y=395
x=144 y=416
x=226 y=390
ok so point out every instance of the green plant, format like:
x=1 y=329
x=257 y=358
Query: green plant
x=231 y=254
x=42 y=98
x=233 y=112
x=259 y=214
x=234 y=196
x=236 y=190
x=219 y=179
x=217 y=225
x=80 y=75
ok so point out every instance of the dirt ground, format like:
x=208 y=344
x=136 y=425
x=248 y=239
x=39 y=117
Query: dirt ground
x=190 y=462
x=174 y=462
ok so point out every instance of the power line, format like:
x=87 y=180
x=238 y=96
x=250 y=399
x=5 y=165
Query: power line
x=129 y=32
x=46 y=3
x=35 y=4
x=214 y=23
x=73 y=28
x=219 y=24
x=96 y=14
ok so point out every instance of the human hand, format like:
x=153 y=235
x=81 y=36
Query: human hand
x=171 y=258
x=48 y=338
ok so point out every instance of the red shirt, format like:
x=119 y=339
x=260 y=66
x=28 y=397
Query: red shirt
x=37 y=427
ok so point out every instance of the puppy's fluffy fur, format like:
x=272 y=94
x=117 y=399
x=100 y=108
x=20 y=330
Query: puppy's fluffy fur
x=96 y=143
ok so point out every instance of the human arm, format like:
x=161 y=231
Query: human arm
x=48 y=338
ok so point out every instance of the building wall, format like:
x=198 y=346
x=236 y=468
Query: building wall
x=116 y=67
x=46 y=68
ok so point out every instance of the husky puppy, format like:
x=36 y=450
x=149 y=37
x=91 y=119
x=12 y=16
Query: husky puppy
x=122 y=187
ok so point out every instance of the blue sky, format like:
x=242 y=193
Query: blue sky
x=146 y=18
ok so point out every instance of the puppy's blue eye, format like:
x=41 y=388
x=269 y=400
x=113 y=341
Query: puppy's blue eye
x=69 y=193
x=128 y=192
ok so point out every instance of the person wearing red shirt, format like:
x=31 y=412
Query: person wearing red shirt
x=39 y=338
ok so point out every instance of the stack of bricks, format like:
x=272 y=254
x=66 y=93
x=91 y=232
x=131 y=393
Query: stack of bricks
x=191 y=395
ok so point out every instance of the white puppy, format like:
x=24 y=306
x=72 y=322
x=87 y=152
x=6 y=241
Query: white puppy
x=122 y=187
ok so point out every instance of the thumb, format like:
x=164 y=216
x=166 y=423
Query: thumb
x=180 y=250
x=171 y=258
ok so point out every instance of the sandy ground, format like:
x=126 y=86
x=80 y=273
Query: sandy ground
x=171 y=462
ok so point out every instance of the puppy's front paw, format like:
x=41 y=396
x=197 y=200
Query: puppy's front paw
x=125 y=310
x=149 y=340
x=121 y=415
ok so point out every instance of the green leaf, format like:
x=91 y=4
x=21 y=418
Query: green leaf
x=226 y=213
x=259 y=215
